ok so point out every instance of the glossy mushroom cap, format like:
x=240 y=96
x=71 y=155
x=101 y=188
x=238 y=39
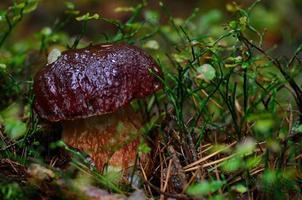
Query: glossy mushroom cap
x=94 y=81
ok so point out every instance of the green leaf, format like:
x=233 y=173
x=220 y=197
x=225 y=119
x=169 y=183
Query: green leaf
x=217 y=197
x=246 y=147
x=133 y=26
x=31 y=6
x=16 y=18
x=232 y=164
x=206 y=72
x=264 y=125
x=150 y=125
x=269 y=177
x=180 y=58
x=245 y=65
x=298 y=128
x=10 y=191
x=205 y=187
x=243 y=21
x=2 y=15
x=13 y=126
x=124 y=9
x=253 y=162
x=219 y=147
x=69 y=5
x=152 y=16
x=144 y=148
x=231 y=7
x=233 y=25
x=87 y=17
x=46 y=31
x=239 y=188
x=151 y=44
x=57 y=144
x=2 y=66
x=19 y=6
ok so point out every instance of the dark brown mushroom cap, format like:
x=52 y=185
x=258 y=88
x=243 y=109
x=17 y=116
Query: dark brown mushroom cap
x=93 y=81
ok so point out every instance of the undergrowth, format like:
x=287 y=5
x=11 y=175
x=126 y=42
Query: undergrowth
x=227 y=122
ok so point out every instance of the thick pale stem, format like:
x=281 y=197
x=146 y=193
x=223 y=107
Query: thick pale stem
x=110 y=139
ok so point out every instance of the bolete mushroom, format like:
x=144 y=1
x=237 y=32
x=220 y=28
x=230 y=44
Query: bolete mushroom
x=89 y=91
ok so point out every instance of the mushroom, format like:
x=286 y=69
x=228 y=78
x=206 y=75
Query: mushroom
x=89 y=91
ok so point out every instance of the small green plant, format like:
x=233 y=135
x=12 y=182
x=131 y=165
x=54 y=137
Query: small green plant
x=10 y=191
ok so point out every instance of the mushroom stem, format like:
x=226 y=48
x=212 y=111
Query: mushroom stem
x=110 y=139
